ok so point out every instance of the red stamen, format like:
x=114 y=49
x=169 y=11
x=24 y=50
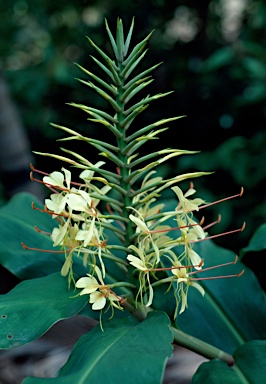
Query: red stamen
x=218 y=277
x=120 y=299
x=37 y=170
x=50 y=186
x=214 y=267
x=176 y=228
x=179 y=267
x=42 y=250
x=220 y=234
x=213 y=223
x=41 y=231
x=47 y=174
x=222 y=200
x=45 y=210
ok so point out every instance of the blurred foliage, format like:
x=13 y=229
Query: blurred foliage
x=214 y=59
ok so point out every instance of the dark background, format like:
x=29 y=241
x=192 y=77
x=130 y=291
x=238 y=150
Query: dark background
x=214 y=60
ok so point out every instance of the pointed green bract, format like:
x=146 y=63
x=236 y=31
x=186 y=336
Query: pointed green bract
x=128 y=39
x=120 y=40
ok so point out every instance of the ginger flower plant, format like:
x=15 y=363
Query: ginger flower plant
x=109 y=246
x=117 y=214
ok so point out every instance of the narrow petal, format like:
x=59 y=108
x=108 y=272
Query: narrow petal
x=198 y=287
x=140 y=224
x=136 y=262
x=183 y=301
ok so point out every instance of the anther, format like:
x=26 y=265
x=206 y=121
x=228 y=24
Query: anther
x=43 y=250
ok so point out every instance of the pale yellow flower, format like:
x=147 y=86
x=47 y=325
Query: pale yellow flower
x=99 y=292
x=185 y=205
x=183 y=283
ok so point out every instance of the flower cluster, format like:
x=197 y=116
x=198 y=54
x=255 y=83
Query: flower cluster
x=162 y=241
x=80 y=225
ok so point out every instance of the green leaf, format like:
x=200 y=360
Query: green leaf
x=249 y=367
x=15 y=229
x=257 y=242
x=33 y=306
x=233 y=310
x=127 y=350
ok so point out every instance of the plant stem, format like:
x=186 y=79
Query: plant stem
x=200 y=347
x=124 y=171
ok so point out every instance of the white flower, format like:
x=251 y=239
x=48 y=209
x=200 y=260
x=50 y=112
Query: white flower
x=57 y=179
x=99 y=292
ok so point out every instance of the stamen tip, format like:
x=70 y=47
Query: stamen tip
x=23 y=245
x=201 y=263
x=241 y=191
x=219 y=218
x=241 y=273
x=243 y=226
x=36 y=228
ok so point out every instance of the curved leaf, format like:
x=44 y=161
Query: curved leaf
x=126 y=351
x=249 y=367
x=257 y=242
x=17 y=220
x=233 y=311
x=33 y=306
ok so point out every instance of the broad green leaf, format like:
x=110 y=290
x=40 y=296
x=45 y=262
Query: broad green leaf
x=257 y=242
x=17 y=220
x=232 y=311
x=127 y=351
x=33 y=306
x=28 y=264
x=249 y=367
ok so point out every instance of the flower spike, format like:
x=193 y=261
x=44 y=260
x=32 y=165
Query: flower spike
x=114 y=218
